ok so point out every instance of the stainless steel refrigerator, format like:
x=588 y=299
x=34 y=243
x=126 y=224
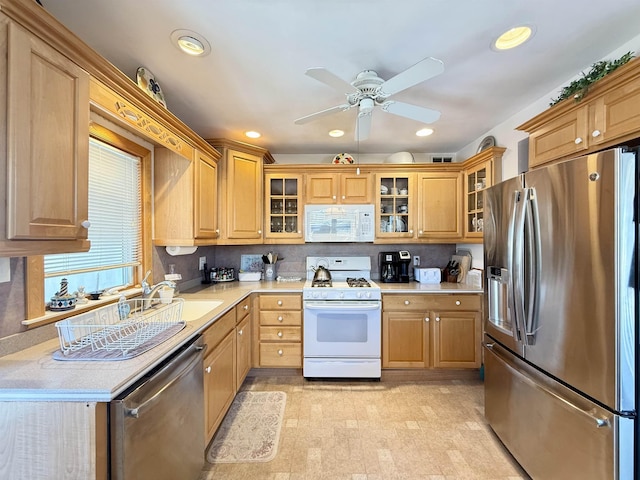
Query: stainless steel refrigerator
x=561 y=337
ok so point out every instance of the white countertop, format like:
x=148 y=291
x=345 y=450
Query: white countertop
x=33 y=375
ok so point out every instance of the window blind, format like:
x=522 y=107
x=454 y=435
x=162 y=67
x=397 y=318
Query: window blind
x=115 y=213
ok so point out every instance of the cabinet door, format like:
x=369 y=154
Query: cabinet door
x=395 y=206
x=219 y=383
x=456 y=339
x=322 y=188
x=560 y=137
x=283 y=204
x=355 y=188
x=616 y=114
x=405 y=340
x=244 y=196
x=47 y=141
x=243 y=350
x=439 y=207
x=477 y=181
x=206 y=195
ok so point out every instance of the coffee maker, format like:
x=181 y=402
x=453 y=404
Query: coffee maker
x=394 y=266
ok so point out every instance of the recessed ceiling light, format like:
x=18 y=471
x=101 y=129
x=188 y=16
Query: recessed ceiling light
x=513 y=37
x=336 y=133
x=191 y=43
x=253 y=134
x=424 y=132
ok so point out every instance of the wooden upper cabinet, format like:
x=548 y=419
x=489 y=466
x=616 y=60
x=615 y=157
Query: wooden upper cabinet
x=185 y=199
x=608 y=115
x=47 y=131
x=346 y=188
x=439 y=205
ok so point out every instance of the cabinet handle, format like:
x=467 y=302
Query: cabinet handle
x=343 y=197
x=457 y=302
x=245 y=307
x=595 y=133
x=578 y=141
x=411 y=231
x=208 y=369
x=420 y=232
x=218 y=231
x=334 y=197
x=437 y=319
x=85 y=224
x=406 y=302
x=426 y=319
x=240 y=332
x=280 y=319
x=279 y=303
x=259 y=232
x=280 y=334
x=280 y=352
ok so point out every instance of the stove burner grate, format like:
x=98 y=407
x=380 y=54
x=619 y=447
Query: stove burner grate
x=358 y=282
x=321 y=283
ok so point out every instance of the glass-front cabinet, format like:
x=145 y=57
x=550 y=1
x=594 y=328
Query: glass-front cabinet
x=395 y=213
x=284 y=206
x=476 y=184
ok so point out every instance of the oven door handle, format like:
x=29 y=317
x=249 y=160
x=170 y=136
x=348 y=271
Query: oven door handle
x=330 y=305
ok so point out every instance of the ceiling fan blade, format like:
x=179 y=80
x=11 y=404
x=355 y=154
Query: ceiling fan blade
x=421 y=114
x=325 y=76
x=322 y=113
x=363 y=126
x=421 y=71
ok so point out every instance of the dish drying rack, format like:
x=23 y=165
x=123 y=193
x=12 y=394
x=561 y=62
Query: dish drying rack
x=122 y=326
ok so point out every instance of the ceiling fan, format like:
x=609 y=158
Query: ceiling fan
x=368 y=91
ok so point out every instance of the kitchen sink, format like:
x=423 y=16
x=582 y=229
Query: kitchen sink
x=195 y=309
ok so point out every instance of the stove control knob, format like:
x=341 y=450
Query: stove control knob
x=368 y=294
x=341 y=295
x=325 y=295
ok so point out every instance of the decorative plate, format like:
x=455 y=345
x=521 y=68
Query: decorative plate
x=343 y=158
x=486 y=143
x=147 y=82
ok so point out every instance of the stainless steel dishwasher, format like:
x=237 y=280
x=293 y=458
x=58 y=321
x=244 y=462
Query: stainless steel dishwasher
x=157 y=425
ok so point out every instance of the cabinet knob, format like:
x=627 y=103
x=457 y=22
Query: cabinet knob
x=334 y=197
x=245 y=307
x=426 y=319
x=420 y=232
x=406 y=302
x=280 y=352
x=411 y=231
x=343 y=197
x=240 y=332
x=595 y=133
x=259 y=232
x=437 y=319
x=279 y=303
x=218 y=231
x=578 y=141
x=85 y=224
x=280 y=334
x=457 y=302
x=208 y=369
x=280 y=318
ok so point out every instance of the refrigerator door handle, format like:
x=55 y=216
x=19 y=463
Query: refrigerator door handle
x=533 y=259
x=524 y=377
x=517 y=250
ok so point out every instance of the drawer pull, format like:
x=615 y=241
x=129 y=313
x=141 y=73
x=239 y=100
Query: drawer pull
x=240 y=332
x=406 y=302
x=437 y=319
x=280 y=352
x=280 y=318
x=457 y=302
x=245 y=307
x=280 y=334
x=279 y=303
x=208 y=369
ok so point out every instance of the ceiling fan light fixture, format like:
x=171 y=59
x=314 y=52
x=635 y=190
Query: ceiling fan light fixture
x=252 y=134
x=424 y=132
x=514 y=37
x=336 y=133
x=191 y=43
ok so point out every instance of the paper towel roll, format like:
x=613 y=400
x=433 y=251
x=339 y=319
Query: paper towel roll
x=181 y=250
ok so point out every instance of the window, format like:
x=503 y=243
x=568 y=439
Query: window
x=115 y=213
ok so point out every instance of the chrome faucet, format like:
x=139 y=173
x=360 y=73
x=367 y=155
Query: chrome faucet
x=149 y=291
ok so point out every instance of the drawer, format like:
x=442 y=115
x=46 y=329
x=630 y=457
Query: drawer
x=243 y=309
x=281 y=334
x=281 y=318
x=220 y=328
x=406 y=302
x=280 y=302
x=455 y=302
x=281 y=355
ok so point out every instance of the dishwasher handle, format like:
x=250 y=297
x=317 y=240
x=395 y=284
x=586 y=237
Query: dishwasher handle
x=197 y=351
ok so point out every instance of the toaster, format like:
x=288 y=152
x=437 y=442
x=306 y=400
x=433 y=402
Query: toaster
x=427 y=275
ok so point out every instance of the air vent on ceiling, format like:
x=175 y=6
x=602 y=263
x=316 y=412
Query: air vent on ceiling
x=442 y=158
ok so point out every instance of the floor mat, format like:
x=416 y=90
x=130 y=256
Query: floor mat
x=251 y=429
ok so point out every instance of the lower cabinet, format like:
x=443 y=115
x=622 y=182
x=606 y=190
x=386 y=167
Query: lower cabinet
x=243 y=341
x=280 y=336
x=422 y=331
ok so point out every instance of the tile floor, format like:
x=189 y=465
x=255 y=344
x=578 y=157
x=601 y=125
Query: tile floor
x=363 y=430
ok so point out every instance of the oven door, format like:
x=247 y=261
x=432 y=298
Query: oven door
x=335 y=328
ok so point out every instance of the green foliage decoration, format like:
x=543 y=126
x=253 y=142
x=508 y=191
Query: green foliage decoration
x=578 y=88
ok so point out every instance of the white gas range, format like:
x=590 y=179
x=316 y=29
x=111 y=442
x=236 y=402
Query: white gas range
x=342 y=320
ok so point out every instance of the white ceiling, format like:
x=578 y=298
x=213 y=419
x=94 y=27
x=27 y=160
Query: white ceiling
x=254 y=78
